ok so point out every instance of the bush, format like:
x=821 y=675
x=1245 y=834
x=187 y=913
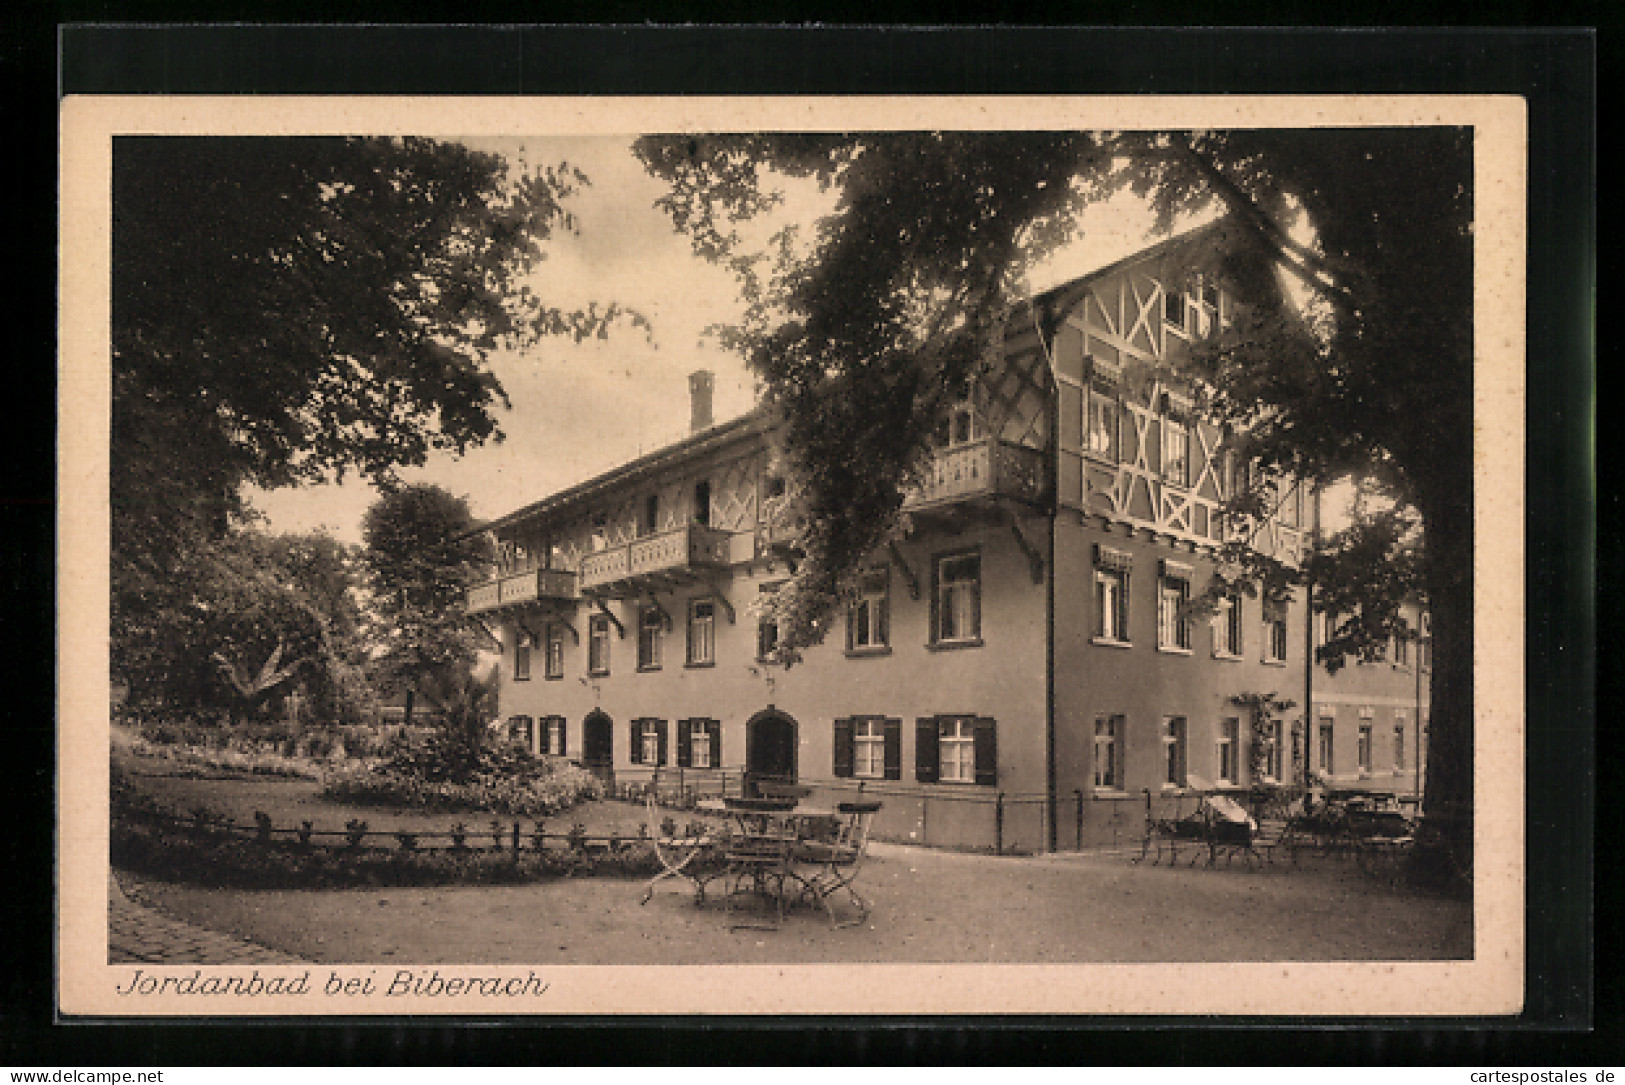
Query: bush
x=445 y=773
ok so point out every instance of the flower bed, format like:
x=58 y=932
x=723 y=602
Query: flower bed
x=444 y=774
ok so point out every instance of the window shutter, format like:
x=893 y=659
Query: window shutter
x=987 y=752
x=635 y=747
x=926 y=762
x=714 y=729
x=882 y=618
x=976 y=603
x=894 y=749
x=685 y=743
x=843 y=747
x=851 y=624
x=660 y=742
x=564 y=729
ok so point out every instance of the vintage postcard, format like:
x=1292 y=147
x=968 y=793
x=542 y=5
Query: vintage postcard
x=791 y=555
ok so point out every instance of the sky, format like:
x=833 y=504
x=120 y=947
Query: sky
x=577 y=410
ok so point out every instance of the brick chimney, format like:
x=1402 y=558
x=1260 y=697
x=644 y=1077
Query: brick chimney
x=700 y=384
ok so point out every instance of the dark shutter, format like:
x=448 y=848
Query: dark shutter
x=685 y=743
x=894 y=749
x=660 y=742
x=882 y=618
x=634 y=752
x=843 y=747
x=976 y=603
x=926 y=762
x=714 y=729
x=987 y=752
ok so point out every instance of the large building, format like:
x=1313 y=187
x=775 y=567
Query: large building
x=1018 y=672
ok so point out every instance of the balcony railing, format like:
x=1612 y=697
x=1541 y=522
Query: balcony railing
x=979 y=469
x=523 y=587
x=666 y=555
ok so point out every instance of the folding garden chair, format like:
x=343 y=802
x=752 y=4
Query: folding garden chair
x=831 y=866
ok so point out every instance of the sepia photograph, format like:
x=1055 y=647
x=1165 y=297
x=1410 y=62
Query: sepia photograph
x=899 y=556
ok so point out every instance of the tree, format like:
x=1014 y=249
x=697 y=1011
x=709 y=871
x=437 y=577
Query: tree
x=250 y=619
x=290 y=309
x=421 y=556
x=865 y=332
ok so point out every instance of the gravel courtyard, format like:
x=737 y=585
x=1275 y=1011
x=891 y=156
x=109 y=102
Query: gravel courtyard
x=928 y=907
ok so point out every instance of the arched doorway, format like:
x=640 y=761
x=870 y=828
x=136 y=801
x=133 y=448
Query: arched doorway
x=770 y=749
x=598 y=745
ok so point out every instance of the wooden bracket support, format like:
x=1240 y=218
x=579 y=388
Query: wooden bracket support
x=575 y=638
x=648 y=601
x=722 y=598
x=912 y=580
x=610 y=614
x=1035 y=558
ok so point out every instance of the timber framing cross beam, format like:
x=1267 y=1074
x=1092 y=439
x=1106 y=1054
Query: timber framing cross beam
x=603 y=608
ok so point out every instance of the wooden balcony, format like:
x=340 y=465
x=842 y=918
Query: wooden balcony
x=978 y=472
x=515 y=588
x=657 y=561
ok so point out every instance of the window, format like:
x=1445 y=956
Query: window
x=1365 y=748
x=1175 y=449
x=963 y=425
x=521 y=658
x=1108 y=753
x=1275 y=644
x=1273 y=745
x=648 y=745
x=1173 y=598
x=598 y=644
x=702 y=502
x=554 y=736
x=1229 y=750
x=600 y=532
x=699 y=743
x=869 y=747
x=649 y=522
x=702 y=632
x=767 y=637
x=1173 y=307
x=958 y=600
x=1111 y=605
x=1399 y=743
x=1227 y=628
x=1173 y=751
x=651 y=624
x=868 y=617
x=1324 y=747
x=1402 y=651
x=1102 y=424
x=553 y=651
x=521 y=730
x=956 y=749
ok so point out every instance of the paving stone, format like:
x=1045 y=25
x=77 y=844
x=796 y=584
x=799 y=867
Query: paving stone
x=138 y=933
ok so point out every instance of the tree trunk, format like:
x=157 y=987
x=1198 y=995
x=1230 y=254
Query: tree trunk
x=1447 y=799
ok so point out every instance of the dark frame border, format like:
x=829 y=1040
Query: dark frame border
x=1553 y=70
